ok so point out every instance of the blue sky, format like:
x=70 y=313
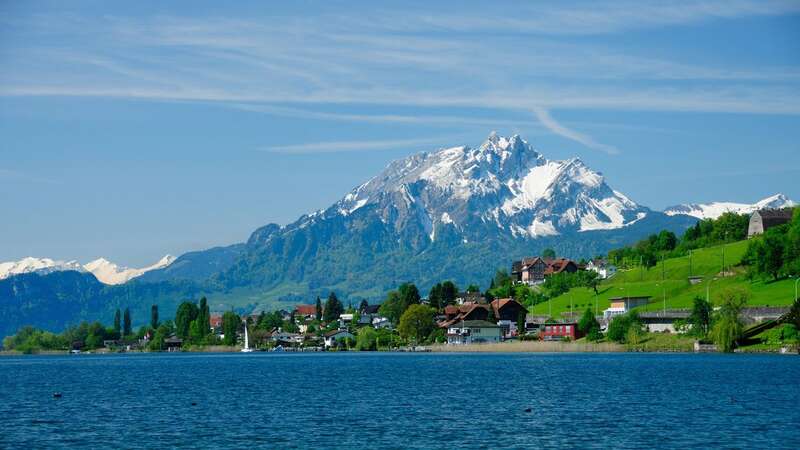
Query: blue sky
x=131 y=130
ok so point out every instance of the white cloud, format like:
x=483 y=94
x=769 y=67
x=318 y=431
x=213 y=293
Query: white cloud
x=547 y=120
x=353 y=146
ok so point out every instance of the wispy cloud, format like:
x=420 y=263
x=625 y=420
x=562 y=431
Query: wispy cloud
x=421 y=57
x=353 y=146
x=548 y=121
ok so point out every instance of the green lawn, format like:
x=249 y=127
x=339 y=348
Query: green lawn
x=675 y=289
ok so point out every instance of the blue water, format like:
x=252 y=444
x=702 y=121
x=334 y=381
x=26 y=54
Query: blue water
x=400 y=401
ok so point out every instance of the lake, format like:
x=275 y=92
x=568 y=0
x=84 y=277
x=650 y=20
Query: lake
x=383 y=400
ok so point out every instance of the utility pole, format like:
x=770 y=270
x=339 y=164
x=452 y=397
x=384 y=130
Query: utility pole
x=690 y=263
x=663 y=270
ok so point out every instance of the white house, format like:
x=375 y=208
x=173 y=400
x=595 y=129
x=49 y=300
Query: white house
x=602 y=267
x=332 y=337
x=621 y=305
x=473 y=332
x=381 y=322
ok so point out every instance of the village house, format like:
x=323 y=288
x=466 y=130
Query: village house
x=764 y=219
x=621 y=305
x=603 y=268
x=335 y=336
x=533 y=271
x=535 y=323
x=561 y=331
x=473 y=332
x=305 y=312
x=507 y=312
x=215 y=323
x=470 y=297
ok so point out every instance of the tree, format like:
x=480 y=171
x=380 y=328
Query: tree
x=774 y=243
x=589 y=325
x=154 y=317
x=409 y=295
x=521 y=322
x=367 y=339
x=186 y=313
x=700 y=318
x=728 y=327
x=549 y=253
x=435 y=296
x=590 y=280
x=417 y=322
x=333 y=308
x=230 y=327
x=392 y=307
x=204 y=318
x=449 y=293
x=126 y=322
x=619 y=329
x=472 y=289
x=319 y=309
x=363 y=306
x=117 y=320
x=491 y=317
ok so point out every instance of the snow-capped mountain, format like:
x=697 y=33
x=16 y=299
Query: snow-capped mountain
x=38 y=265
x=105 y=271
x=716 y=209
x=504 y=183
x=110 y=273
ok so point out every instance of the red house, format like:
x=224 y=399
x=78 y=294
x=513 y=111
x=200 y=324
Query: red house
x=561 y=331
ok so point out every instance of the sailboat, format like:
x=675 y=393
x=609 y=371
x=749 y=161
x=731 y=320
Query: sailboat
x=246 y=348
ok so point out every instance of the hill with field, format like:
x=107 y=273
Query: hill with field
x=668 y=283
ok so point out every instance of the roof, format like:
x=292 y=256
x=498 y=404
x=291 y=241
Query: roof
x=785 y=213
x=477 y=324
x=673 y=314
x=558 y=265
x=306 y=310
x=501 y=303
x=616 y=299
x=335 y=332
x=371 y=309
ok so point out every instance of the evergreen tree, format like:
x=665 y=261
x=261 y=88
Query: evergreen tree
x=117 y=322
x=435 y=296
x=204 y=317
x=491 y=317
x=589 y=325
x=230 y=327
x=549 y=253
x=333 y=308
x=449 y=293
x=409 y=295
x=126 y=322
x=154 y=316
x=521 y=322
x=319 y=309
x=186 y=313
x=363 y=306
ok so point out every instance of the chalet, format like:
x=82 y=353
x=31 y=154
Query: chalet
x=602 y=267
x=473 y=332
x=507 y=312
x=465 y=312
x=764 y=219
x=336 y=336
x=305 y=312
x=529 y=270
x=561 y=331
x=621 y=305
x=533 y=271
x=560 y=265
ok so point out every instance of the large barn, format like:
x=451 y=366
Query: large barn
x=764 y=219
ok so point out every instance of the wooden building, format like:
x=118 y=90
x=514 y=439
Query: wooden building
x=764 y=219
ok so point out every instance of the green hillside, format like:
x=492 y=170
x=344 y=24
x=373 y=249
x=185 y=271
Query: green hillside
x=668 y=282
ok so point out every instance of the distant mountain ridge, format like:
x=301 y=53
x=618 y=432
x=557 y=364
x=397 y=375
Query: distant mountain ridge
x=715 y=209
x=104 y=270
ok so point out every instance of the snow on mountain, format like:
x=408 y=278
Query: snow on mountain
x=716 y=209
x=104 y=270
x=38 y=265
x=503 y=183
